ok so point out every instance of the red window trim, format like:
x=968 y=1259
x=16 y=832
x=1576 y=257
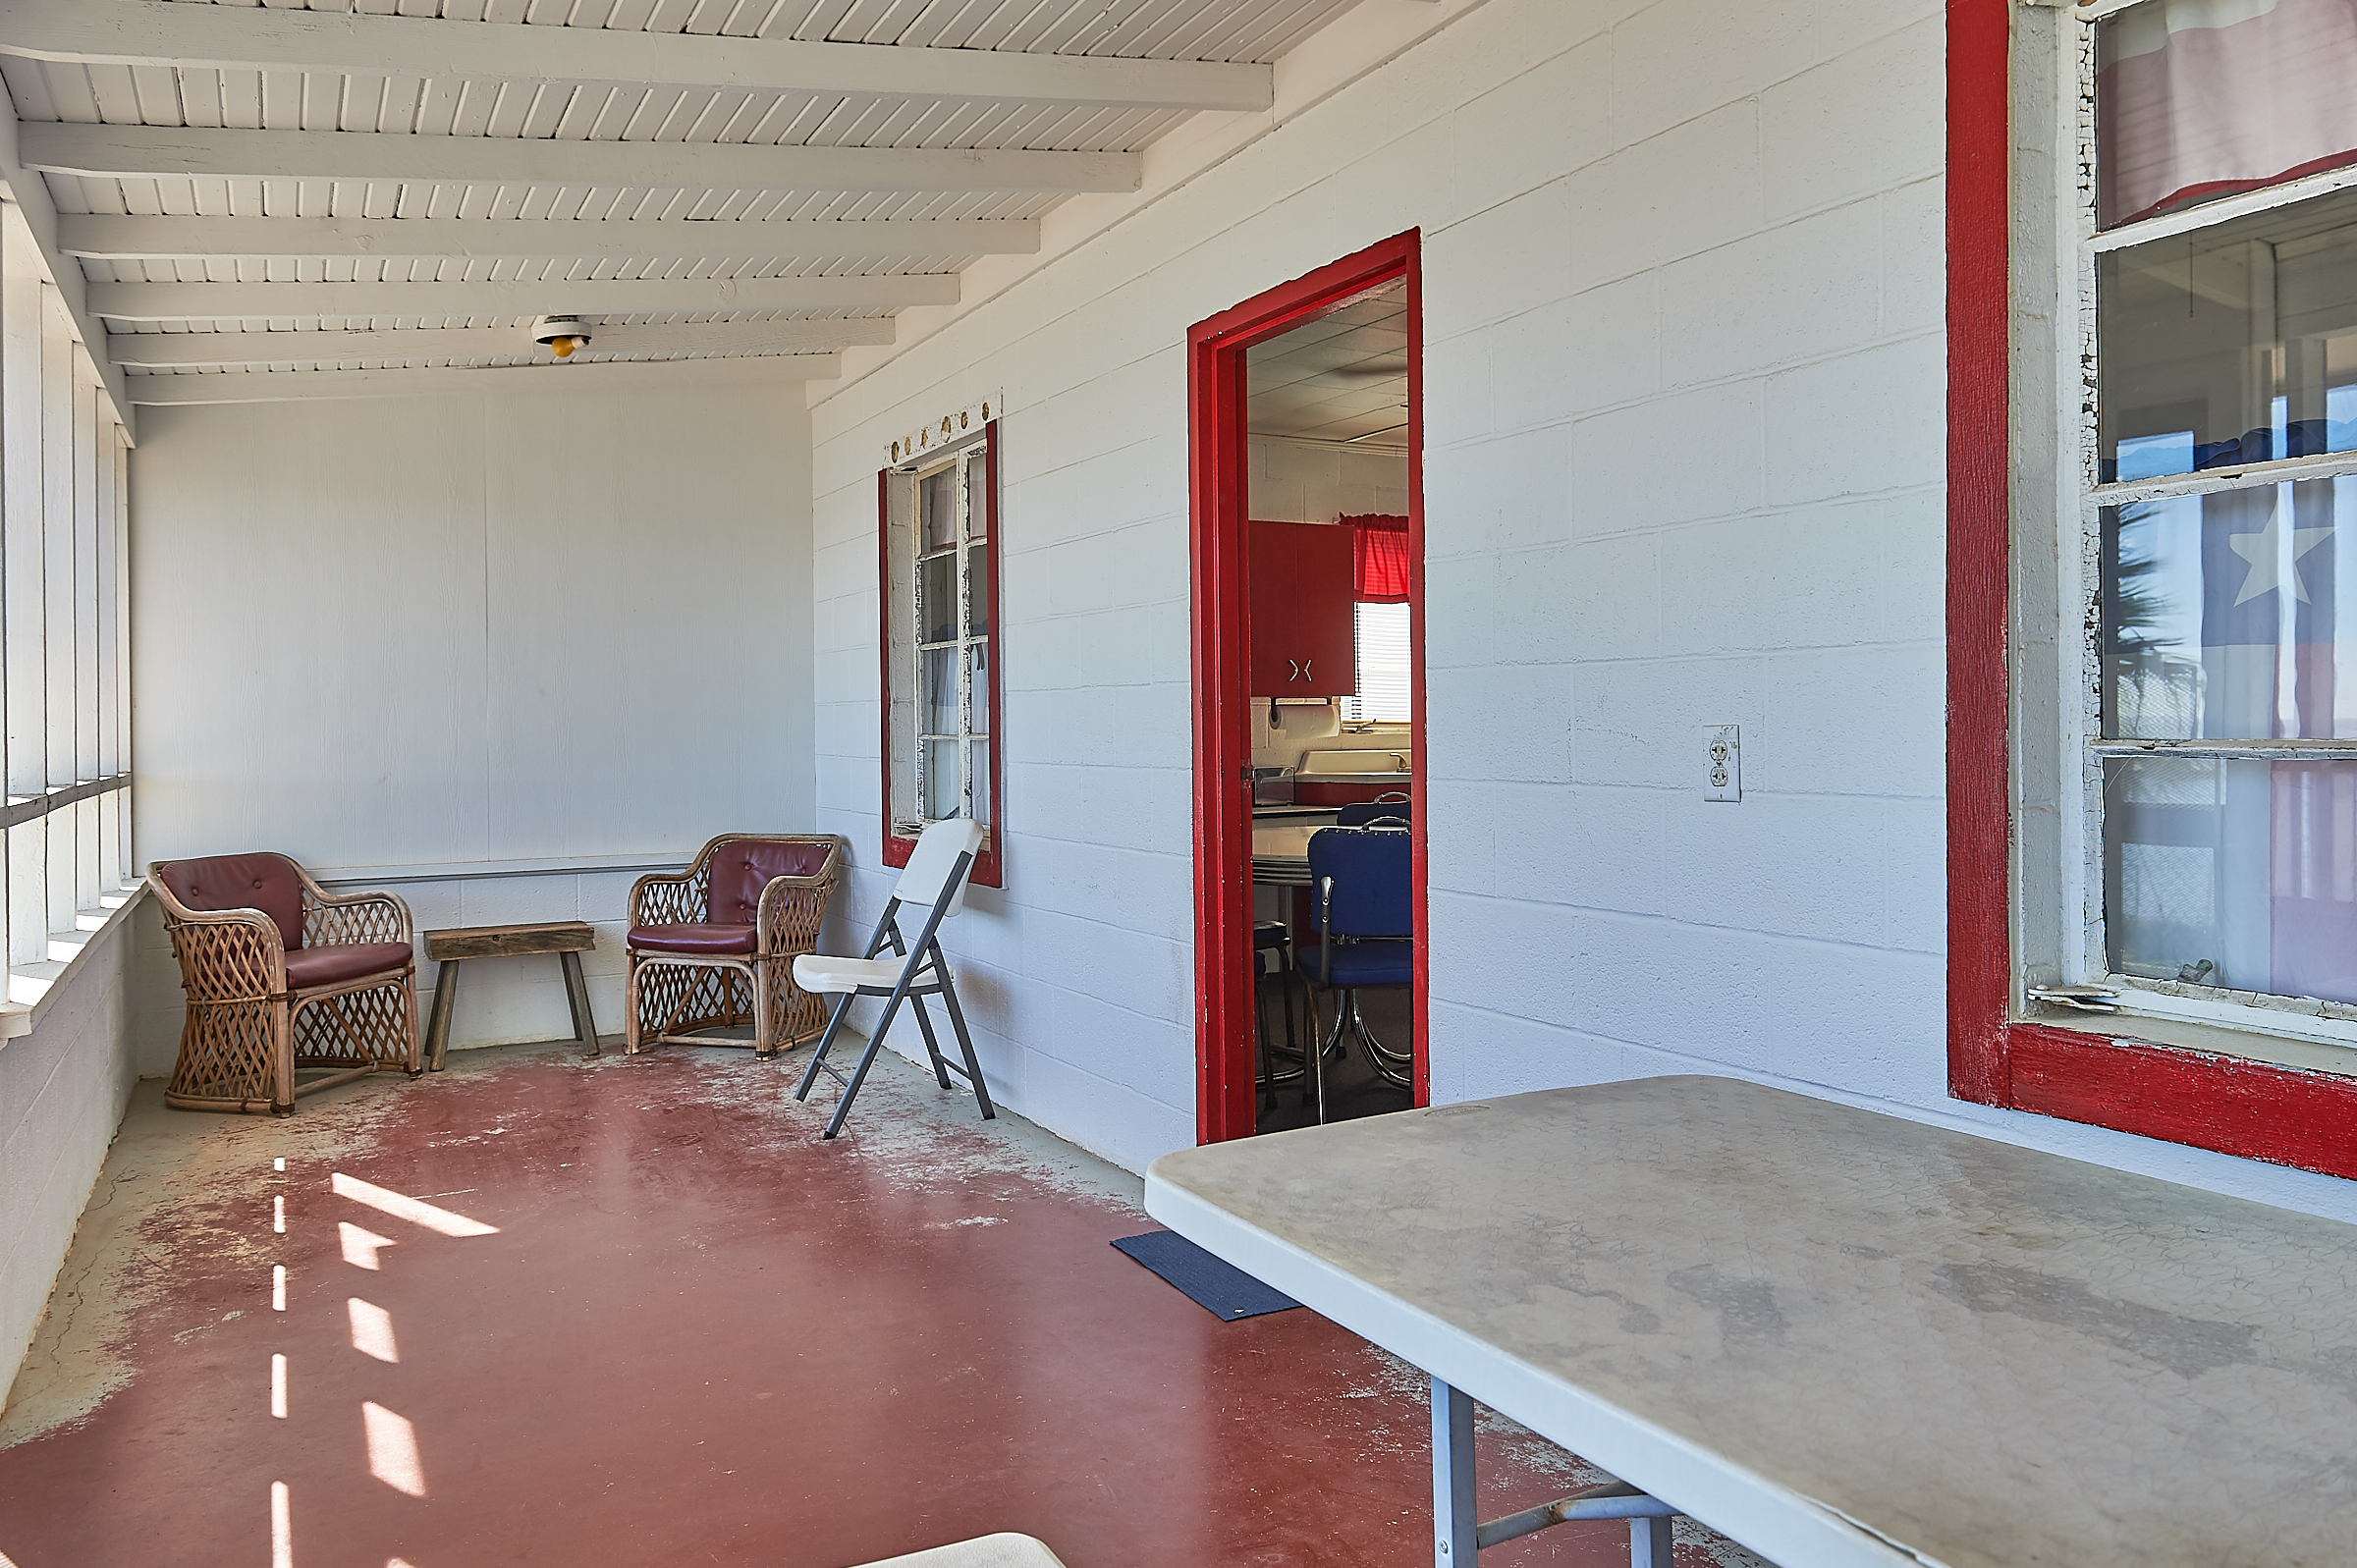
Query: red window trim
x=2237 y=1107
x=990 y=865
x=1222 y=659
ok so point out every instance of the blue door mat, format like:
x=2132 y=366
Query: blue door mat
x=1213 y=1283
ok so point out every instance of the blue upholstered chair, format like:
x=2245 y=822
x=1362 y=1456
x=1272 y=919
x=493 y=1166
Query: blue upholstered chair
x=1364 y=879
x=1387 y=808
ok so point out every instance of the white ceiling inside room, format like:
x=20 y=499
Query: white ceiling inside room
x=1340 y=378
x=329 y=197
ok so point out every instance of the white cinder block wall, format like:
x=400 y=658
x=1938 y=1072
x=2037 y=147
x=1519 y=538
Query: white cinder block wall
x=63 y=1088
x=458 y=632
x=1305 y=481
x=1685 y=357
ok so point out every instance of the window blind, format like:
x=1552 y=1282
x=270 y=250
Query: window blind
x=1383 y=666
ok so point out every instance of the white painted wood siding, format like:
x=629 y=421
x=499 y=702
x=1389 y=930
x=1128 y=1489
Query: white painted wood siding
x=468 y=629
x=1683 y=328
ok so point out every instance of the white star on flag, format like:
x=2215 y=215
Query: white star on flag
x=2263 y=550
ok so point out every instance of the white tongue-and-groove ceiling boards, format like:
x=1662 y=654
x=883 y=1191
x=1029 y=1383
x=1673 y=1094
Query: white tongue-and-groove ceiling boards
x=274 y=200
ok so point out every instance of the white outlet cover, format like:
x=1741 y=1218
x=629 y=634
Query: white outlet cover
x=1721 y=763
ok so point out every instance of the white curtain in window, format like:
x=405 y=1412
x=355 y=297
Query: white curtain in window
x=2199 y=98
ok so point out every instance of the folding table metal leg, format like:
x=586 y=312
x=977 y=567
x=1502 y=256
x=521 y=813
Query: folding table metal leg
x=1454 y=1518
x=1649 y=1542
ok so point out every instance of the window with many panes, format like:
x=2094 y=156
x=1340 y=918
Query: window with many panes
x=940 y=647
x=64 y=627
x=2206 y=246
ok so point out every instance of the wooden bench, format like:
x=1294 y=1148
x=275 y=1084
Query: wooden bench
x=567 y=939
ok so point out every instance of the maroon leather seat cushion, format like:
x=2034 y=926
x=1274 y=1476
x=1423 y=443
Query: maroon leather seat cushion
x=263 y=882
x=325 y=966
x=705 y=938
x=742 y=867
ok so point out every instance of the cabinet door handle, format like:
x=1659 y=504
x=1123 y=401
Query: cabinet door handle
x=1294 y=666
x=1305 y=664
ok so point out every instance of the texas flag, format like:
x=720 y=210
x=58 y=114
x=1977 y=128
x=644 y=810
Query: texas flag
x=2287 y=852
x=2197 y=98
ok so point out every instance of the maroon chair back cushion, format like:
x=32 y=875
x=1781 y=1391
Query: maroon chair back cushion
x=263 y=882
x=742 y=867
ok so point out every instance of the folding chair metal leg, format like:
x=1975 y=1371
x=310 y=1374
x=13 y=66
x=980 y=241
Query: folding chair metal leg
x=867 y=1059
x=924 y=1024
x=826 y=1042
x=966 y=1044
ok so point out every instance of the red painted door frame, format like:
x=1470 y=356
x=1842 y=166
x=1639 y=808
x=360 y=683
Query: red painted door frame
x=2251 y=1109
x=1222 y=635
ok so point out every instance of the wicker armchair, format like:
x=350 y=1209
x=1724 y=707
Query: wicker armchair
x=715 y=945
x=283 y=975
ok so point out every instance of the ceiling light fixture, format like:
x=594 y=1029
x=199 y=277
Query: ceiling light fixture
x=562 y=333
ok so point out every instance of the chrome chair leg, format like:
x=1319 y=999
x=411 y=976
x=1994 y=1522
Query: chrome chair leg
x=1345 y=1010
x=1385 y=1061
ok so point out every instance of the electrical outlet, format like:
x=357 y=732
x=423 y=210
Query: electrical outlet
x=1723 y=763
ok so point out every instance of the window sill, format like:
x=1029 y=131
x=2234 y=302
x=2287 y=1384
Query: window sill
x=2209 y=1039
x=31 y=986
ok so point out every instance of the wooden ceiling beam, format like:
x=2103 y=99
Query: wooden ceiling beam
x=286 y=386
x=149 y=152
x=588 y=296
x=160 y=32
x=114 y=236
x=213 y=350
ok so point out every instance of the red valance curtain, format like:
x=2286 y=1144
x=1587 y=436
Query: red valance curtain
x=1381 y=575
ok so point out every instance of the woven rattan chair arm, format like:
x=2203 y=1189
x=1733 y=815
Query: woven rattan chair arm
x=674 y=898
x=662 y=898
x=228 y=954
x=792 y=908
x=332 y=919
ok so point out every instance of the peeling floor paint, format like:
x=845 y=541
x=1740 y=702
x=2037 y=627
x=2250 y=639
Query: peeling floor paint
x=684 y=1329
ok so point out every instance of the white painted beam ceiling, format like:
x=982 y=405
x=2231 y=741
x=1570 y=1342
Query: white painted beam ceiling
x=351 y=200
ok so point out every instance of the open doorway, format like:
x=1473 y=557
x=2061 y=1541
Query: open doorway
x=1305 y=428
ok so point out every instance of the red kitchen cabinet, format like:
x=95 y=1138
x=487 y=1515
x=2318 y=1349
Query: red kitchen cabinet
x=1304 y=643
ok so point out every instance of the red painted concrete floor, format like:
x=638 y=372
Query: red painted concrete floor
x=643 y=1317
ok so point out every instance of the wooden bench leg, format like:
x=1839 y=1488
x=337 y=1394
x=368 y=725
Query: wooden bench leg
x=446 y=996
x=577 y=997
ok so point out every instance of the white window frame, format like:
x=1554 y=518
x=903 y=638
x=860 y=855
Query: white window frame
x=64 y=631
x=905 y=804
x=2061 y=970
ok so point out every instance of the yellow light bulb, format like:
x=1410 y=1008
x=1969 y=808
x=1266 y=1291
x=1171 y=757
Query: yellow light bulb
x=563 y=347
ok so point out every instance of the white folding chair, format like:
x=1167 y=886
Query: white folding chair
x=935 y=880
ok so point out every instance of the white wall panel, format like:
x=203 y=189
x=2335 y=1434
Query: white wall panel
x=63 y=1089
x=1684 y=466
x=433 y=630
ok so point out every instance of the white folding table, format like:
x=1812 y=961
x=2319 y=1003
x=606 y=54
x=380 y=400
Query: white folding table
x=1844 y=1340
